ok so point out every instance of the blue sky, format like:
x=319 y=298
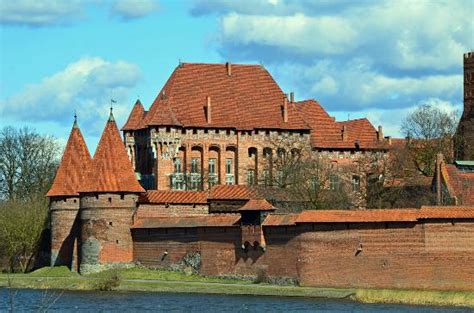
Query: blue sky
x=378 y=59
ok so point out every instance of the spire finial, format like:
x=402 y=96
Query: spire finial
x=75 y=120
x=111 y=116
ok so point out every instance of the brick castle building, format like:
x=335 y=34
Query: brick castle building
x=185 y=181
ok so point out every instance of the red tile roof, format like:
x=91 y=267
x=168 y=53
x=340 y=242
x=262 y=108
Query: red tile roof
x=459 y=184
x=72 y=169
x=360 y=130
x=211 y=220
x=135 y=118
x=232 y=192
x=324 y=131
x=446 y=212
x=347 y=216
x=257 y=205
x=280 y=220
x=111 y=170
x=249 y=98
x=174 y=197
x=327 y=133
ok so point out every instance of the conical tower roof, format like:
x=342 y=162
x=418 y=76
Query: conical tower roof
x=135 y=117
x=111 y=170
x=72 y=170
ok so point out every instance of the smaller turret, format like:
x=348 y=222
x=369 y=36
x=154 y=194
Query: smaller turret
x=108 y=201
x=64 y=200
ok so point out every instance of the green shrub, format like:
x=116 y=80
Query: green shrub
x=109 y=281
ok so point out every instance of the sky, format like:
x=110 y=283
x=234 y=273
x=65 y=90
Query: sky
x=378 y=59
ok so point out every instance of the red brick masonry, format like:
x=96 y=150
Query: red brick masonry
x=428 y=248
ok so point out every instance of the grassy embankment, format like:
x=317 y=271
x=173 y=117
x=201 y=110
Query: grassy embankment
x=137 y=279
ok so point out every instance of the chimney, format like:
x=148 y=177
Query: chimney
x=380 y=134
x=285 y=110
x=208 y=109
x=439 y=194
x=389 y=140
x=292 y=97
x=344 y=133
x=228 y=66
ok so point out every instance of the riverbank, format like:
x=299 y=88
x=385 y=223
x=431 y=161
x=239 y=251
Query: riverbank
x=136 y=279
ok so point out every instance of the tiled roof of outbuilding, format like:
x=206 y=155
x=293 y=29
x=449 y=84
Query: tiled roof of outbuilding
x=111 y=170
x=280 y=219
x=211 y=220
x=174 y=197
x=257 y=205
x=459 y=184
x=249 y=98
x=356 y=216
x=72 y=169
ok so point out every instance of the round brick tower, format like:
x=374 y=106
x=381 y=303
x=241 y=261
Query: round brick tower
x=64 y=200
x=108 y=200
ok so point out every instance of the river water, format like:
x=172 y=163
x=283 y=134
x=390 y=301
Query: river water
x=28 y=300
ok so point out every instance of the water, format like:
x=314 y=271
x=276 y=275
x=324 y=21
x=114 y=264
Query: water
x=86 y=301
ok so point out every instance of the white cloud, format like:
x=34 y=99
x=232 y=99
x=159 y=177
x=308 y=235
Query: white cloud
x=299 y=32
x=85 y=85
x=132 y=9
x=40 y=12
x=403 y=35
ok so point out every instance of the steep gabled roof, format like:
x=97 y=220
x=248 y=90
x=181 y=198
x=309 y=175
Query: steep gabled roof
x=72 y=169
x=324 y=131
x=249 y=98
x=459 y=184
x=111 y=170
x=135 y=118
x=360 y=130
x=327 y=133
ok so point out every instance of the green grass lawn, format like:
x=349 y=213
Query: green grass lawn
x=141 y=279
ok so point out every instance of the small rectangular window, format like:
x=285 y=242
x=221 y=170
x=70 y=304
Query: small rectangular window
x=177 y=165
x=250 y=177
x=333 y=182
x=212 y=166
x=355 y=183
x=228 y=166
x=195 y=165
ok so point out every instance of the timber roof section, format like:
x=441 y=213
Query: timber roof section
x=135 y=118
x=247 y=99
x=257 y=205
x=111 y=170
x=211 y=220
x=174 y=197
x=71 y=173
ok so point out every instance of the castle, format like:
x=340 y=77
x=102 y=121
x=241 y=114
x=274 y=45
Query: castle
x=190 y=176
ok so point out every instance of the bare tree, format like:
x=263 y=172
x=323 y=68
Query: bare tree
x=430 y=131
x=305 y=178
x=28 y=162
